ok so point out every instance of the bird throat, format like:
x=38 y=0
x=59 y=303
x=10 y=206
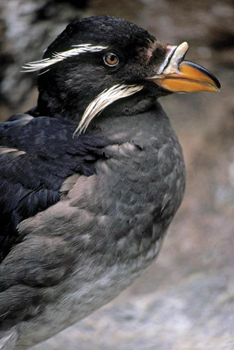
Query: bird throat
x=118 y=100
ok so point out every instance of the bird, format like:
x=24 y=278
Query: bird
x=90 y=178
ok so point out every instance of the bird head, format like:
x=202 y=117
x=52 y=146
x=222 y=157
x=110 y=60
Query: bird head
x=102 y=61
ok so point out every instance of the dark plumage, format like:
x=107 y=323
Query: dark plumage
x=91 y=178
x=31 y=178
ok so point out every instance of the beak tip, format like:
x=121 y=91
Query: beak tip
x=204 y=78
x=218 y=85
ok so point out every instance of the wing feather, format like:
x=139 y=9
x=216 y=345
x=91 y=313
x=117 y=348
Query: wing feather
x=37 y=154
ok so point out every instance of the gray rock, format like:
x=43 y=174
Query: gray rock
x=28 y=27
x=196 y=314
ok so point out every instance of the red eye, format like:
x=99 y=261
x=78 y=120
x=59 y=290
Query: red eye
x=111 y=59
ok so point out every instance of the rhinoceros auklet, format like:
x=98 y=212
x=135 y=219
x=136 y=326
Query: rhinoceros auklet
x=91 y=178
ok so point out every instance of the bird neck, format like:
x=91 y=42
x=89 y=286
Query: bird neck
x=55 y=104
x=124 y=128
x=54 y=101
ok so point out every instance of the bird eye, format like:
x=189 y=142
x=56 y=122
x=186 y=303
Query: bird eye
x=110 y=59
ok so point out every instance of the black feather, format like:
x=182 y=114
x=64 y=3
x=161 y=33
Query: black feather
x=30 y=182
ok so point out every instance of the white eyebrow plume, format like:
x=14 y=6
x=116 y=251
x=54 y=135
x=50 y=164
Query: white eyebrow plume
x=60 y=56
x=104 y=99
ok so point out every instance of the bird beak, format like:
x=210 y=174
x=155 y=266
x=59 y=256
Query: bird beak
x=176 y=75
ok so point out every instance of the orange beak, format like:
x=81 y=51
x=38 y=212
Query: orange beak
x=185 y=76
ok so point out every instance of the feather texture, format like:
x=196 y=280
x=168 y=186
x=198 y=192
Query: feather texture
x=60 y=56
x=36 y=156
x=103 y=100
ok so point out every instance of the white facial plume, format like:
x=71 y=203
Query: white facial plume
x=104 y=99
x=60 y=56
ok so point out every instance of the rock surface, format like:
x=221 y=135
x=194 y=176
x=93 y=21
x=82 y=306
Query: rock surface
x=192 y=315
x=27 y=28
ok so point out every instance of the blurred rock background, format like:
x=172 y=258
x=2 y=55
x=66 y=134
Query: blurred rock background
x=185 y=301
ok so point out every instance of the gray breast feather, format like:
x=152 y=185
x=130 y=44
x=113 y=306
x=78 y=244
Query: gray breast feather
x=113 y=220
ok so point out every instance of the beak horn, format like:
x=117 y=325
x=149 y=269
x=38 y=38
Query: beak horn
x=185 y=76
